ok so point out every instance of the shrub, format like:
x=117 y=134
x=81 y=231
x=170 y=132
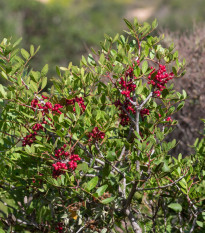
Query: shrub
x=90 y=154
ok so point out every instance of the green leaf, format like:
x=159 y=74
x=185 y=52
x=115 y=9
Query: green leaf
x=91 y=60
x=116 y=38
x=165 y=168
x=154 y=24
x=144 y=67
x=4 y=75
x=25 y=54
x=128 y=24
x=100 y=191
x=2 y=91
x=44 y=82
x=104 y=230
x=77 y=109
x=61 y=118
x=107 y=200
x=102 y=59
x=58 y=71
x=59 y=133
x=184 y=94
x=63 y=68
x=33 y=86
x=111 y=155
x=82 y=167
x=44 y=71
x=37 y=49
x=159 y=167
x=199 y=223
x=92 y=183
x=174 y=70
x=32 y=50
x=176 y=207
x=181 y=105
x=17 y=42
x=84 y=60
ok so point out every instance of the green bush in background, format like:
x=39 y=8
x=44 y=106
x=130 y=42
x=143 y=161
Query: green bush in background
x=80 y=24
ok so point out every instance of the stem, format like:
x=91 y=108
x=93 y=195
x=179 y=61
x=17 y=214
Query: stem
x=136 y=228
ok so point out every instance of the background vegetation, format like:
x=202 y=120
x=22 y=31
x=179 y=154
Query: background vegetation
x=67 y=29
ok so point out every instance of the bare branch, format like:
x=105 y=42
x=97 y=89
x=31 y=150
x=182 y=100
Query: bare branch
x=145 y=101
x=133 y=221
x=80 y=229
x=194 y=223
x=161 y=187
x=101 y=154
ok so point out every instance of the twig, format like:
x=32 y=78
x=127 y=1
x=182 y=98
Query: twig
x=113 y=166
x=80 y=229
x=132 y=192
x=131 y=118
x=145 y=101
x=86 y=150
x=194 y=223
x=161 y=187
x=133 y=221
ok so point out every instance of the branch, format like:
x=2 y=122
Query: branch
x=113 y=166
x=86 y=150
x=194 y=223
x=133 y=221
x=80 y=229
x=161 y=187
x=145 y=101
x=131 y=118
x=132 y=192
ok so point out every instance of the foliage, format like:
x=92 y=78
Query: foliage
x=90 y=154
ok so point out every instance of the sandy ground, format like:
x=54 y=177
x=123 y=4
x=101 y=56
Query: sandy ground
x=141 y=14
x=43 y=1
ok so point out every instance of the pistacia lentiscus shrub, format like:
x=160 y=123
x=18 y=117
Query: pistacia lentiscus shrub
x=89 y=154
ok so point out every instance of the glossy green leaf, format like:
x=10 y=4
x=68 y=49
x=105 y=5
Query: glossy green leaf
x=175 y=206
x=92 y=183
x=25 y=54
x=44 y=71
x=108 y=200
x=100 y=191
x=44 y=82
x=144 y=67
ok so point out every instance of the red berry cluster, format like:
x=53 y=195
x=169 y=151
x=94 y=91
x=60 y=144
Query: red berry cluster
x=144 y=112
x=46 y=106
x=169 y=119
x=126 y=87
x=72 y=163
x=59 y=228
x=60 y=153
x=96 y=134
x=65 y=160
x=124 y=119
x=160 y=79
x=29 y=139
x=37 y=127
x=44 y=97
x=79 y=100
x=59 y=166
